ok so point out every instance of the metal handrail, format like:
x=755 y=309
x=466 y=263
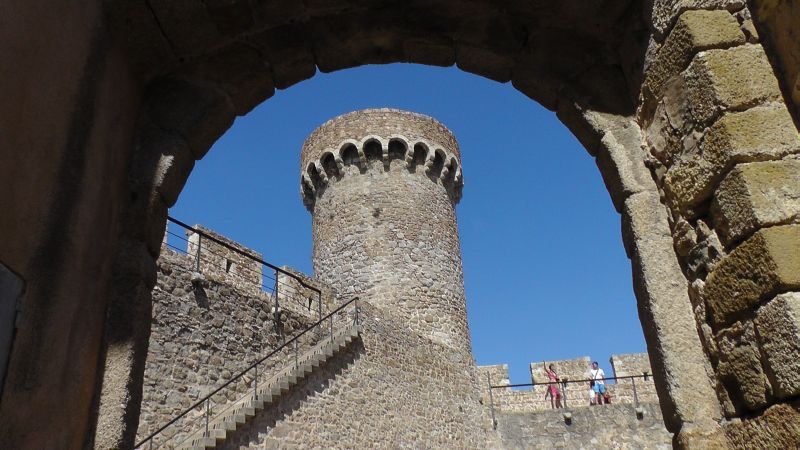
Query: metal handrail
x=626 y=377
x=243 y=253
x=255 y=364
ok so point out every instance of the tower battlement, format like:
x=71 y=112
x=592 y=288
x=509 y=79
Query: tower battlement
x=353 y=142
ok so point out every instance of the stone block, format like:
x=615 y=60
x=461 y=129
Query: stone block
x=740 y=368
x=620 y=158
x=758 y=134
x=778 y=328
x=764 y=264
x=777 y=428
x=663 y=12
x=756 y=195
x=163 y=160
x=694 y=31
x=731 y=79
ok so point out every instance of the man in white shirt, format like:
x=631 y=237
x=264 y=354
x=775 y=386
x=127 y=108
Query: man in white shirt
x=597 y=376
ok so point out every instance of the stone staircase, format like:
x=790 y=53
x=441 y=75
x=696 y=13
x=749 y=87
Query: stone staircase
x=242 y=411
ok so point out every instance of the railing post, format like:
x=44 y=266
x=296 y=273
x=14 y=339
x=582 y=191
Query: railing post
x=564 y=383
x=356 y=306
x=331 y=325
x=491 y=401
x=295 y=353
x=208 y=413
x=635 y=396
x=255 y=384
x=276 y=292
x=197 y=257
x=319 y=305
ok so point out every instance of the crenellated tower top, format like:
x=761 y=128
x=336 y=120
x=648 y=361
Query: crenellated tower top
x=354 y=139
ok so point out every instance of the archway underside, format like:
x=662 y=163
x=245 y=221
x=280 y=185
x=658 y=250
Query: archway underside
x=680 y=107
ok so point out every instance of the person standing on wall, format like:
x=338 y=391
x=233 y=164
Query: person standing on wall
x=597 y=375
x=552 y=388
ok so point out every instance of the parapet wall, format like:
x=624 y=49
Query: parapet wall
x=532 y=399
x=382 y=121
x=221 y=262
x=599 y=428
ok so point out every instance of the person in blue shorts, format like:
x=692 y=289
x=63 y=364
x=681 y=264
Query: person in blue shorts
x=597 y=376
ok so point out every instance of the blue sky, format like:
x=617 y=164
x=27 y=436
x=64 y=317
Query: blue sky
x=545 y=271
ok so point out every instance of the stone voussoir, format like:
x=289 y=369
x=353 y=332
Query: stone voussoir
x=729 y=79
x=756 y=195
x=759 y=134
x=766 y=263
x=694 y=31
x=778 y=328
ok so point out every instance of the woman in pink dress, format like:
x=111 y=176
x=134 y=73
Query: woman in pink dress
x=552 y=388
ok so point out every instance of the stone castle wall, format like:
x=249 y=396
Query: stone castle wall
x=223 y=263
x=398 y=390
x=598 y=428
x=206 y=329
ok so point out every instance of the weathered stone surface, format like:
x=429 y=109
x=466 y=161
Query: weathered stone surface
x=777 y=428
x=740 y=368
x=729 y=80
x=764 y=264
x=679 y=364
x=778 y=328
x=694 y=31
x=170 y=161
x=758 y=134
x=664 y=12
x=621 y=160
x=590 y=428
x=756 y=195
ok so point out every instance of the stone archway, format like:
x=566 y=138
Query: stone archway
x=641 y=89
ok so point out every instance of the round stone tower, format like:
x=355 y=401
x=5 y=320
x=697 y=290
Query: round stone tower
x=381 y=186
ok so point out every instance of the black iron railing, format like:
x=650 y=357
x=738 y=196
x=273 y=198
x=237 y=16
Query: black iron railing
x=324 y=324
